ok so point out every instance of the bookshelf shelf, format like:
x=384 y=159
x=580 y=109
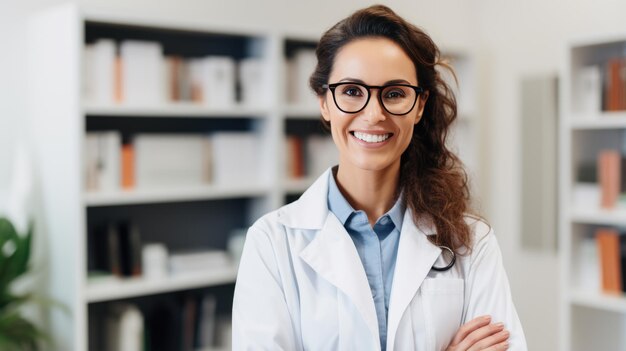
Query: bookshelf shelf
x=182 y=109
x=148 y=196
x=118 y=288
x=606 y=120
x=598 y=300
x=616 y=217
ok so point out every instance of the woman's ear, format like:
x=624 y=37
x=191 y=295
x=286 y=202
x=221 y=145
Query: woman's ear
x=421 y=100
x=324 y=107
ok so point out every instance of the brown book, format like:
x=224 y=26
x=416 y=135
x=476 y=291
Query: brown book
x=128 y=166
x=118 y=86
x=173 y=77
x=612 y=79
x=622 y=84
x=608 y=242
x=295 y=157
x=609 y=169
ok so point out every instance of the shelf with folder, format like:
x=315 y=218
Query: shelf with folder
x=177 y=194
x=121 y=288
x=183 y=109
x=598 y=300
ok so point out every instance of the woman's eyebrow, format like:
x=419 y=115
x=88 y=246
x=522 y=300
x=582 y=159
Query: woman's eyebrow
x=393 y=81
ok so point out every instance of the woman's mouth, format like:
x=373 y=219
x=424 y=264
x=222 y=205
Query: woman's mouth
x=371 y=138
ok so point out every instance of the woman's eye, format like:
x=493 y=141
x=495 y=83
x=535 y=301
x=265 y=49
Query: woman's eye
x=352 y=91
x=395 y=94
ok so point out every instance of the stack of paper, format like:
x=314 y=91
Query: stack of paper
x=142 y=72
x=299 y=71
x=252 y=76
x=99 y=68
x=589 y=88
x=213 y=81
x=321 y=154
x=171 y=160
x=198 y=261
x=102 y=161
x=236 y=158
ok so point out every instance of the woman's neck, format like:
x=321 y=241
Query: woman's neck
x=374 y=192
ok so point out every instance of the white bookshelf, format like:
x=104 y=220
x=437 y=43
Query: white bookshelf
x=118 y=288
x=590 y=318
x=59 y=126
x=186 y=109
x=175 y=194
x=60 y=119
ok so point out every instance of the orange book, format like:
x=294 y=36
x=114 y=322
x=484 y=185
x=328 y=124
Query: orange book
x=608 y=242
x=118 y=86
x=128 y=166
x=609 y=169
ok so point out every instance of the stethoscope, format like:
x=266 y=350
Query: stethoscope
x=450 y=264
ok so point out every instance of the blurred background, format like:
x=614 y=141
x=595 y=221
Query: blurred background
x=91 y=145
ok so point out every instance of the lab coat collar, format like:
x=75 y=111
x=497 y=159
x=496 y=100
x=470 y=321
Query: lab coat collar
x=311 y=209
x=333 y=256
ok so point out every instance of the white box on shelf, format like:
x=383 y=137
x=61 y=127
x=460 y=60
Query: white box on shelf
x=102 y=161
x=143 y=74
x=218 y=81
x=171 y=160
x=586 y=195
x=299 y=71
x=236 y=158
x=587 y=266
x=589 y=90
x=192 y=261
x=253 y=79
x=99 y=68
x=321 y=154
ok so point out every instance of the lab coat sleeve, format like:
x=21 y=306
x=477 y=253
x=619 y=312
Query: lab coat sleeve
x=261 y=318
x=487 y=290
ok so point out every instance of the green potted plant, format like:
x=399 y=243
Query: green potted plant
x=16 y=332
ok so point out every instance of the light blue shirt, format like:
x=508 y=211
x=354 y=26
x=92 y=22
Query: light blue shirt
x=377 y=247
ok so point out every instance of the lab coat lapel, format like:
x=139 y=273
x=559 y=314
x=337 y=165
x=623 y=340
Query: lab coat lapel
x=416 y=256
x=333 y=256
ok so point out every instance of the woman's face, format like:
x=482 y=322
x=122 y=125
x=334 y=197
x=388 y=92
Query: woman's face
x=371 y=139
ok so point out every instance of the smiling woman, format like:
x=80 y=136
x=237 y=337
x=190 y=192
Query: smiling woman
x=381 y=252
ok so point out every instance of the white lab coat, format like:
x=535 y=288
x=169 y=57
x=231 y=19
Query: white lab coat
x=302 y=286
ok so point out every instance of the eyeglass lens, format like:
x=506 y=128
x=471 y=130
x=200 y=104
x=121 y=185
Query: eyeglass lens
x=396 y=99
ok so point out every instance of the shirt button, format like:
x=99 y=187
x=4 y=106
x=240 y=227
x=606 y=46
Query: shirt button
x=384 y=220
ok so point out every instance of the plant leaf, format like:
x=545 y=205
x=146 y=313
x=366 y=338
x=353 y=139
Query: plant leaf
x=19 y=332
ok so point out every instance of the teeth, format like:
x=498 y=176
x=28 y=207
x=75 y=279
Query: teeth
x=371 y=138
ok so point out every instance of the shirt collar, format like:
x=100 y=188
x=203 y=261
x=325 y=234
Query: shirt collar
x=342 y=209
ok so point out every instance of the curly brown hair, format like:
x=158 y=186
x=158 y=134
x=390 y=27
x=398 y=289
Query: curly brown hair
x=432 y=177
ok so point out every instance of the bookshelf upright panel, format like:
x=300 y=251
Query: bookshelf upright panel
x=591 y=125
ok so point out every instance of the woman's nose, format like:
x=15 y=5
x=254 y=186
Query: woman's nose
x=374 y=111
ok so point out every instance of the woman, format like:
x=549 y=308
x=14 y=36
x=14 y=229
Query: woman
x=363 y=260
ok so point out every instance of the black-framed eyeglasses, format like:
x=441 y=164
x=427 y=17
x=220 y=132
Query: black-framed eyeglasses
x=352 y=97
